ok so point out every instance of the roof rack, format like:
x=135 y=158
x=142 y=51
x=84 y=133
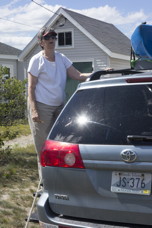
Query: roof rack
x=96 y=75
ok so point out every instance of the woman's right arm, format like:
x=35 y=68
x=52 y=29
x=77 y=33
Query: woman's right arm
x=32 y=81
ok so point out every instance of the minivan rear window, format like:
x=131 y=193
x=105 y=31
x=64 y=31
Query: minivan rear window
x=106 y=115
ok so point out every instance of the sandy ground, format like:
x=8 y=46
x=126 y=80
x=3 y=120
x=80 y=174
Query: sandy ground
x=22 y=141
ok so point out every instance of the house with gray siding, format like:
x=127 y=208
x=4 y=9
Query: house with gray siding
x=89 y=43
x=9 y=58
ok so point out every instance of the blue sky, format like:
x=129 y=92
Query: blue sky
x=20 y=20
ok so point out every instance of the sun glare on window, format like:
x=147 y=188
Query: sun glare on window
x=82 y=120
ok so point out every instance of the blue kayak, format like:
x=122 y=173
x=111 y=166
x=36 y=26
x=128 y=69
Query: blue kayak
x=141 y=41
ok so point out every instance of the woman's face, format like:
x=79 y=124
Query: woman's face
x=48 y=42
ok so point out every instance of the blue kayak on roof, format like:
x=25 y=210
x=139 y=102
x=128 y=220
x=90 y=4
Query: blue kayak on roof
x=141 y=41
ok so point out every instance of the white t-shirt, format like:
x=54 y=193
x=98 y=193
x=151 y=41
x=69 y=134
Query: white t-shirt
x=51 y=78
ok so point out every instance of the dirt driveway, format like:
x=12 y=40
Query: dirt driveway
x=22 y=141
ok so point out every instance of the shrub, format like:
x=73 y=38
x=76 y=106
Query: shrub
x=12 y=108
x=12 y=100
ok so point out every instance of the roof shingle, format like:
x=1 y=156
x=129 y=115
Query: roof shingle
x=8 y=50
x=108 y=35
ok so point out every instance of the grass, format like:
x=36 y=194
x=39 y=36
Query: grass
x=18 y=182
x=15 y=130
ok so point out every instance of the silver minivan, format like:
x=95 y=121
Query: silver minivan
x=97 y=160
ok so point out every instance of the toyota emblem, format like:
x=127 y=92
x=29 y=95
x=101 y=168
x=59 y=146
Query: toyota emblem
x=128 y=155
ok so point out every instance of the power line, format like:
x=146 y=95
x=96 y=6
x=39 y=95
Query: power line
x=45 y=8
x=15 y=22
x=60 y=25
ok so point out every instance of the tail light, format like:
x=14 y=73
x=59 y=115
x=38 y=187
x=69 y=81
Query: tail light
x=64 y=227
x=61 y=154
x=139 y=80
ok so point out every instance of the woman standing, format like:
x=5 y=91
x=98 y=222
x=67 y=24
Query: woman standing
x=47 y=74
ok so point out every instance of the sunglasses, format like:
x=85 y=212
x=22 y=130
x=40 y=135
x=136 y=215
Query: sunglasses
x=47 y=37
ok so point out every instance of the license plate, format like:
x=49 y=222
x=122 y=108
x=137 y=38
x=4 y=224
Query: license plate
x=133 y=183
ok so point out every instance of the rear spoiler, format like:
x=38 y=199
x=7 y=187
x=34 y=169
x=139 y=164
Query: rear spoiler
x=96 y=75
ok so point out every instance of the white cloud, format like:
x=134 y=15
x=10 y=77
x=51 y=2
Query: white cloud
x=16 y=41
x=112 y=15
x=34 y=16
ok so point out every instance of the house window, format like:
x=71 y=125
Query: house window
x=5 y=72
x=65 y=39
x=8 y=72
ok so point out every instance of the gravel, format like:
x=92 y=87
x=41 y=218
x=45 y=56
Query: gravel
x=22 y=141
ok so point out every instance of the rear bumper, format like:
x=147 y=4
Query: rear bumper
x=47 y=216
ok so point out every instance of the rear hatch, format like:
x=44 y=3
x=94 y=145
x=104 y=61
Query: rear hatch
x=110 y=124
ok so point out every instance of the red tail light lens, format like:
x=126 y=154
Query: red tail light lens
x=65 y=227
x=139 y=80
x=61 y=154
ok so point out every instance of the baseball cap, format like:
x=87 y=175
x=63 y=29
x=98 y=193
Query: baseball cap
x=45 y=31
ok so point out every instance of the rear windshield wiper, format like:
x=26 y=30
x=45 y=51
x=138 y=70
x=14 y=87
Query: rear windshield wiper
x=139 y=138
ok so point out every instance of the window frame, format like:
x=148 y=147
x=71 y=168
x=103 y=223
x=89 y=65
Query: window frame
x=10 y=67
x=72 y=37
